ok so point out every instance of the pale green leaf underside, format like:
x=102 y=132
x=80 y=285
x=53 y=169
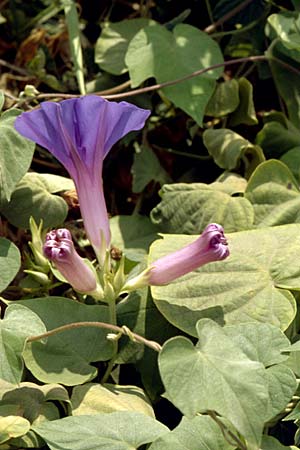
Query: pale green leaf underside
x=119 y=430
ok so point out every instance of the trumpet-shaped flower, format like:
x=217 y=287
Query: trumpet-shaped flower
x=210 y=246
x=79 y=133
x=59 y=249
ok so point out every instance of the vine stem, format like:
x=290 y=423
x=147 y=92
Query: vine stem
x=157 y=86
x=122 y=330
x=227 y=16
x=197 y=73
x=225 y=430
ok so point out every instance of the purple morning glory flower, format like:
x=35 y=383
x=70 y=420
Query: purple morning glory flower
x=59 y=249
x=210 y=246
x=79 y=133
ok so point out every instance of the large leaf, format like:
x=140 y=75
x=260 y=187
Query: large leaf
x=93 y=398
x=111 y=47
x=250 y=285
x=261 y=342
x=274 y=194
x=187 y=49
x=65 y=357
x=15 y=155
x=216 y=375
x=188 y=208
x=33 y=197
x=10 y=261
x=230 y=150
x=201 y=432
x=119 y=430
x=18 y=323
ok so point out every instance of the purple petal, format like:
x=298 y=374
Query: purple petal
x=82 y=129
x=59 y=248
x=210 y=246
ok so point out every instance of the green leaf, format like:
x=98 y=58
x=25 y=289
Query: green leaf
x=188 y=208
x=201 y=432
x=285 y=27
x=229 y=150
x=250 y=285
x=10 y=262
x=56 y=183
x=282 y=386
x=15 y=155
x=292 y=159
x=32 y=197
x=261 y=342
x=119 y=430
x=34 y=400
x=17 y=325
x=133 y=234
x=274 y=194
x=277 y=137
x=245 y=112
x=65 y=357
x=146 y=168
x=12 y=426
x=95 y=398
x=224 y=100
x=187 y=49
x=216 y=375
x=111 y=47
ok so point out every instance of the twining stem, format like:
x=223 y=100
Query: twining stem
x=227 y=16
x=157 y=86
x=197 y=73
x=123 y=330
x=113 y=320
x=226 y=432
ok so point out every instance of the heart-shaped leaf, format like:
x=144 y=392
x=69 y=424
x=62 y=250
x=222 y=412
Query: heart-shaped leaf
x=186 y=49
x=119 y=430
x=32 y=197
x=216 y=375
x=65 y=357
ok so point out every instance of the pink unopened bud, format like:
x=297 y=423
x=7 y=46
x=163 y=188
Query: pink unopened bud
x=60 y=249
x=210 y=246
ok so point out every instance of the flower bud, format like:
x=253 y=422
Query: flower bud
x=60 y=249
x=210 y=246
